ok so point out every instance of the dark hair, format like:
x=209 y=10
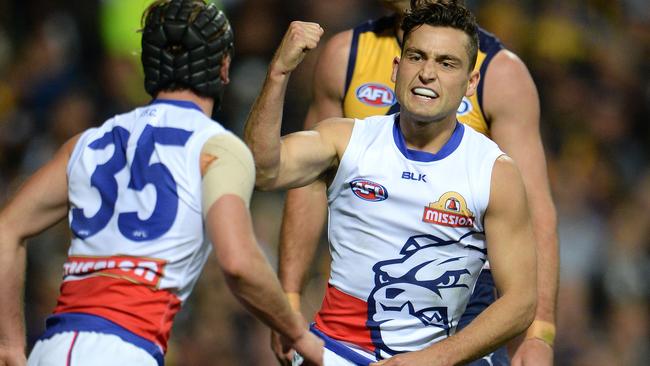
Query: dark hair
x=447 y=13
x=183 y=45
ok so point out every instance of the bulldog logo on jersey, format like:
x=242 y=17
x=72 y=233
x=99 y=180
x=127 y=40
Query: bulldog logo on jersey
x=450 y=210
x=414 y=292
x=376 y=95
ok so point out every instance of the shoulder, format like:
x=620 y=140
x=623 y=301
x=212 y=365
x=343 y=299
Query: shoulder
x=337 y=48
x=507 y=65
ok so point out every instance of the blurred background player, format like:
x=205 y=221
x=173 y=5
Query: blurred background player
x=399 y=282
x=504 y=108
x=144 y=192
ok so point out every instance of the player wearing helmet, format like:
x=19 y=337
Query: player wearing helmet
x=144 y=194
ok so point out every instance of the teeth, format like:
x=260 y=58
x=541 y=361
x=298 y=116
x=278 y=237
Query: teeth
x=425 y=92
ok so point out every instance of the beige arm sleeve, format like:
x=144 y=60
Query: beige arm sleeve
x=227 y=167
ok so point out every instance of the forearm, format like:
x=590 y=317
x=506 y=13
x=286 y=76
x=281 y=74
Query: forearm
x=501 y=321
x=263 y=126
x=12 y=271
x=259 y=291
x=545 y=230
x=305 y=213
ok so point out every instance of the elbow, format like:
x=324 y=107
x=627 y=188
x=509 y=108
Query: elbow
x=234 y=269
x=265 y=181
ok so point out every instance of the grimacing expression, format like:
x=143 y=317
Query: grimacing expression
x=431 y=76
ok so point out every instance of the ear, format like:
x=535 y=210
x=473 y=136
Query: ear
x=393 y=76
x=474 y=78
x=225 y=69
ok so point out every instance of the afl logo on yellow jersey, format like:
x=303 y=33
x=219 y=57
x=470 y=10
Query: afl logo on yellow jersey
x=376 y=95
x=464 y=107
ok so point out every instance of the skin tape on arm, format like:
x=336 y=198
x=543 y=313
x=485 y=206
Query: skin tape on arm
x=231 y=172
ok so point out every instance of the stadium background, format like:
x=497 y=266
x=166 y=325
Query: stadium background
x=68 y=65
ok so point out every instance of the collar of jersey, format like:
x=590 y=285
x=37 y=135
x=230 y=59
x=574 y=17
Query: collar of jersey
x=417 y=155
x=178 y=103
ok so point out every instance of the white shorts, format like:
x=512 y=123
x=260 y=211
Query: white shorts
x=76 y=339
x=88 y=348
x=338 y=353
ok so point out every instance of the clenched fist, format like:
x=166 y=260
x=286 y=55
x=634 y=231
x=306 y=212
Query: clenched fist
x=300 y=38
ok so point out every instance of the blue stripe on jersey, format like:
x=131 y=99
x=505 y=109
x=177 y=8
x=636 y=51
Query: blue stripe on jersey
x=178 y=103
x=416 y=155
x=341 y=349
x=78 y=322
x=490 y=45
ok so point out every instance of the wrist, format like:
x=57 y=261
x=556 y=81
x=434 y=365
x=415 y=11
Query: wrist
x=294 y=300
x=542 y=330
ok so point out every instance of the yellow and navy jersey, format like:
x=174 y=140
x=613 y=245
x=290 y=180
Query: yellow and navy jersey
x=369 y=90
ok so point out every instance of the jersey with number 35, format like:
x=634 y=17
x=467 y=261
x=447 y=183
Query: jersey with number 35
x=138 y=239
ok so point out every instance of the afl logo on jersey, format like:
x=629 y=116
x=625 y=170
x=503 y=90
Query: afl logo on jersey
x=450 y=210
x=465 y=107
x=376 y=95
x=368 y=190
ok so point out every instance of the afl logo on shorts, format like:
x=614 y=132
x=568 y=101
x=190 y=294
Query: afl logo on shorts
x=368 y=190
x=464 y=107
x=376 y=95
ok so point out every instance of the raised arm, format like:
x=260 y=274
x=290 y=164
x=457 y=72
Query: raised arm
x=511 y=252
x=40 y=203
x=512 y=104
x=228 y=179
x=305 y=208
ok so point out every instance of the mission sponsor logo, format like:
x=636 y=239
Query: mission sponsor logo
x=450 y=210
x=376 y=95
x=368 y=190
x=146 y=271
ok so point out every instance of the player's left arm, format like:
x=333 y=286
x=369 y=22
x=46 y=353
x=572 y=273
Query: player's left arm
x=511 y=251
x=40 y=203
x=511 y=102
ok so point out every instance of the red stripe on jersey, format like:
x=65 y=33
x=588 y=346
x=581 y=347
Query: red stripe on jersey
x=344 y=317
x=142 y=310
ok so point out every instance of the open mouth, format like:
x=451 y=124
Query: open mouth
x=424 y=93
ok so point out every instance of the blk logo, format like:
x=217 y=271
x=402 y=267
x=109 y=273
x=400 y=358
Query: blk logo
x=414 y=176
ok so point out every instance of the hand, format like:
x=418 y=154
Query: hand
x=533 y=352
x=310 y=348
x=282 y=350
x=12 y=356
x=301 y=37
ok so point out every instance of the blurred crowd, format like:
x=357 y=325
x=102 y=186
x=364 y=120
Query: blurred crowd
x=66 y=65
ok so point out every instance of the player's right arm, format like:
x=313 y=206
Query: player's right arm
x=299 y=158
x=40 y=203
x=305 y=208
x=228 y=178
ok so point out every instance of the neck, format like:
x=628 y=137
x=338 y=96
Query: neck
x=206 y=104
x=426 y=136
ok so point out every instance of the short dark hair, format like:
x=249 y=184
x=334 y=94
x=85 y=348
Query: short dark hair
x=447 y=13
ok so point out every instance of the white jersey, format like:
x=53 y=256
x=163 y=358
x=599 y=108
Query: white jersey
x=406 y=236
x=138 y=239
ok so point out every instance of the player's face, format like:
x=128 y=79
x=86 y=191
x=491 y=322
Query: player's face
x=432 y=75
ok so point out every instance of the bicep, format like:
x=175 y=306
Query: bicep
x=508 y=229
x=227 y=168
x=42 y=201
